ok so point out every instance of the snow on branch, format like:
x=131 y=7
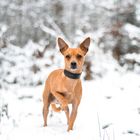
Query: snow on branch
x=48 y=30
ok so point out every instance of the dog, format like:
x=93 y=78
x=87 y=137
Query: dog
x=63 y=86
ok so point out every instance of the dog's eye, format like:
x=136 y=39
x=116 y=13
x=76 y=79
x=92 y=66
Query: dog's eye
x=79 y=56
x=68 y=56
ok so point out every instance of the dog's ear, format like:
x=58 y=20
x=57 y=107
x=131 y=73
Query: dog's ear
x=85 y=45
x=62 y=45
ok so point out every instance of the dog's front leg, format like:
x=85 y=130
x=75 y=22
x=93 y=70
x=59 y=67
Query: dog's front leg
x=73 y=115
x=61 y=99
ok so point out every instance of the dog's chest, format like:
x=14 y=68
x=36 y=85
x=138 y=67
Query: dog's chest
x=69 y=96
x=70 y=84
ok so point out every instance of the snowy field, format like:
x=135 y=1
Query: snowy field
x=109 y=110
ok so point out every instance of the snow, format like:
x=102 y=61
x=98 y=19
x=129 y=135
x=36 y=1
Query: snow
x=132 y=30
x=110 y=106
x=133 y=56
x=108 y=110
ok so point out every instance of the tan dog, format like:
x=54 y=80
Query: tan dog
x=63 y=86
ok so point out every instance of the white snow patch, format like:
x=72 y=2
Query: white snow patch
x=108 y=110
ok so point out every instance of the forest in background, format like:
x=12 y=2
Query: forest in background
x=29 y=29
x=113 y=24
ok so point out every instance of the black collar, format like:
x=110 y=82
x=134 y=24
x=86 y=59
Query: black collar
x=72 y=75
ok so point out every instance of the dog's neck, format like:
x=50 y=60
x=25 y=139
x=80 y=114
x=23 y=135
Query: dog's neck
x=72 y=75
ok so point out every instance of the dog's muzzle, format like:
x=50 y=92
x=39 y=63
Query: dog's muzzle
x=73 y=65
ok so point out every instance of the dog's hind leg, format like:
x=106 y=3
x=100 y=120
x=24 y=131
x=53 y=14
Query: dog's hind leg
x=46 y=104
x=45 y=111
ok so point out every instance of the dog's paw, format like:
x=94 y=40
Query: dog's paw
x=44 y=125
x=69 y=129
x=64 y=105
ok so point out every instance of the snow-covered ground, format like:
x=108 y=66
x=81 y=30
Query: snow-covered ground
x=109 y=110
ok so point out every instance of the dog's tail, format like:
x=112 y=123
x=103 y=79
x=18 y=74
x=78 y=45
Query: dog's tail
x=56 y=109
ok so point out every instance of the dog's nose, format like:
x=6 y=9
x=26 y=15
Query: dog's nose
x=73 y=65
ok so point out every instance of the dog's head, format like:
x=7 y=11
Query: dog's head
x=74 y=57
